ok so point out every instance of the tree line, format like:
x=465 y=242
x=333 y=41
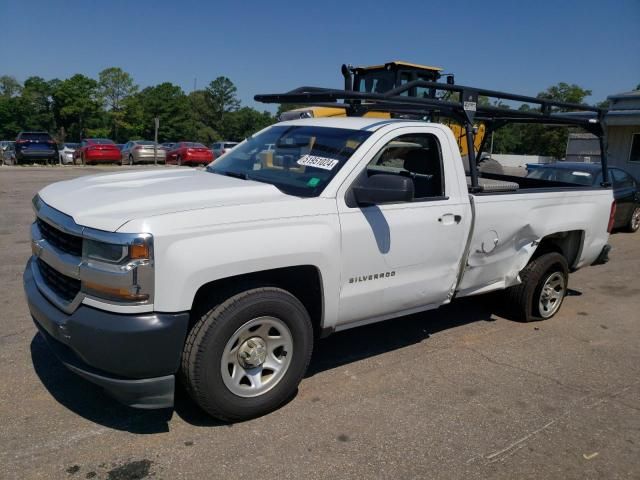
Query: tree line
x=113 y=106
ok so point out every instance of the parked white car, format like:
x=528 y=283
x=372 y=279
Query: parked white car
x=220 y=148
x=66 y=152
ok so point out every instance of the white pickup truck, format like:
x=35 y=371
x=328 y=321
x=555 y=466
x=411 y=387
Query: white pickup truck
x=226 y=276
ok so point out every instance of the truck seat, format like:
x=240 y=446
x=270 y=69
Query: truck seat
x=424 y=166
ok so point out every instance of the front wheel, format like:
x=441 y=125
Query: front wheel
x=542 y=289
x=634 y=221
x=246 y=356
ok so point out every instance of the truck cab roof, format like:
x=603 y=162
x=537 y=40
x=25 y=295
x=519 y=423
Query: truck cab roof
x=351 y=123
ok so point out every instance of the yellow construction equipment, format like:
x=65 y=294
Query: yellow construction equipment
x=381 y=79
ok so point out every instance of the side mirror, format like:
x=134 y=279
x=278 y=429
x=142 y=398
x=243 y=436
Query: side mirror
x=383 y=188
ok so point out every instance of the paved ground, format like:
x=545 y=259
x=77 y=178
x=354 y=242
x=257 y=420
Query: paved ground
x=457 y=393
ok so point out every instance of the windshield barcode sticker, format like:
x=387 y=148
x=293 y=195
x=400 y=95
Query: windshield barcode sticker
x=317 y=162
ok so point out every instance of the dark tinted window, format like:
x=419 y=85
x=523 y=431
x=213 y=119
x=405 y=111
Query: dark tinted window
x=40 y=137
x=621 y=179
x=193 y=145
x=634 y=155
x=101 y=141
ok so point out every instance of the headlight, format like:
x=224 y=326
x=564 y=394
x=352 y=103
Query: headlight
x=114 y=253
x=120 y=270
x=104 y=252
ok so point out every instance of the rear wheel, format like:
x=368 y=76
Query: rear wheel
x=634 y=221
x=246 y=356
x=542 y=289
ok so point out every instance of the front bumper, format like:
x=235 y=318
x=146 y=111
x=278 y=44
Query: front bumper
x=133 y=357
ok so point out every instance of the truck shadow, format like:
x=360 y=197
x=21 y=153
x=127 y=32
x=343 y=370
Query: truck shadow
x=90 y=402
x=370 y=340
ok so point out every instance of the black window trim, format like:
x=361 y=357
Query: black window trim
x=634 y=135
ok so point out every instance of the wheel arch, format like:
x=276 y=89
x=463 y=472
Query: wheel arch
x=302 y=281
x=568 y=244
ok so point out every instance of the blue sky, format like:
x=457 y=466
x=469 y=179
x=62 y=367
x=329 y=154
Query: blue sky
x=272 y=46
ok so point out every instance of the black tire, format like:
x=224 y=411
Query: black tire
x=523 y=300
x=634 y=221
x=207 y=340
x=131 y=160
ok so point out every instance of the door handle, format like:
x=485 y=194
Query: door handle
x=449 y=219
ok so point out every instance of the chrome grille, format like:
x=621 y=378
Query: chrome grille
x=66 y=287
x=66 y=242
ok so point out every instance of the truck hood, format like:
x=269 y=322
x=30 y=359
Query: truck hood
x=108 y=201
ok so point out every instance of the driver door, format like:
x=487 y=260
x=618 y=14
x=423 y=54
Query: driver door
x=404 y=256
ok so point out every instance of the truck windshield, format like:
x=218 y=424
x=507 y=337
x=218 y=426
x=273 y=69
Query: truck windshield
x=298 y=160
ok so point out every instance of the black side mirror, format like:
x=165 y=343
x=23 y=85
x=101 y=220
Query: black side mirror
x=383 y=188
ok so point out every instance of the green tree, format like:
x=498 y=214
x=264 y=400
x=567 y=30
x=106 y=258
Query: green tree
x=222 y=99
x=115 y=86
x=78 y=106
x=563 y=92
x=9 y=86
x=199 y=116
x=538 y=139
x=10 y=117
x=35 y=111
x=245 y=122
x=167 y=102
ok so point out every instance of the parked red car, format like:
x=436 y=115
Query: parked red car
x=96 y=150
x=189 y=153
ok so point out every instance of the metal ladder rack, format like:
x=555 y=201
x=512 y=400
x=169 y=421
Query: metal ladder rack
x=464 y=109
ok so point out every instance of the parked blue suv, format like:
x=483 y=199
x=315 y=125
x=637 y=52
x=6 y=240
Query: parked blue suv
x=34 y=146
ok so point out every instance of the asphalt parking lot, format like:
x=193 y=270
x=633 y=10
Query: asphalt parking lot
x=456 y=393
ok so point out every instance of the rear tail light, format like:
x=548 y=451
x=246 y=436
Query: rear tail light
x=138 y=147
x=22 y=141
x=612 y=217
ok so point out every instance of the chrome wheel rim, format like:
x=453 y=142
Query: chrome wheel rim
x=635 y=219
x=551 y=295
x=256 y=357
